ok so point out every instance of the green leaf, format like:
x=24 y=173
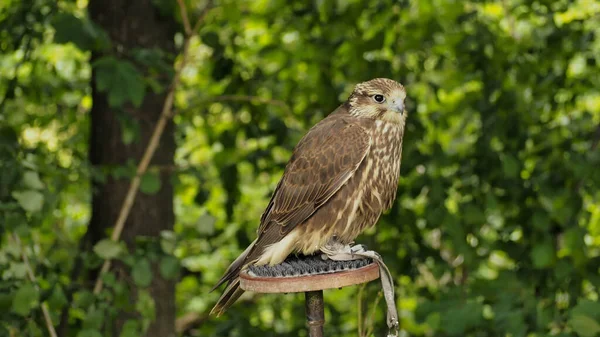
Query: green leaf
x=584 y=325
x=58 y=298
x=18 y=270
x=109 y=279
x=146 y=307
x=130 y=128
x=108 y=249
x=89 y=333
x=156 y=61
x=129 y=260
x=84 y=298
x=142 y=273
x=70 y=28
x=464 y=316
x=33 y=329
x=22 y=230
x=168 y=241
x=543 y=255
x=206 y=224
x=574 y=245
x=433 y=320
x=541 y=220
x=6 y=302
x=150 y=183
x=129 y=135
x=169 y=267
x=121 y=293
x=26 y=298
x=510 y=166
x=31 y=201
x=80 y=31
x=13 y=220
x=94 y=319
x=120 y=80
x=123 y=172
x=587 y=307
x=30 y=161
x=131 y=328
x=210 y=39
x=32 y=180
x=509 y=319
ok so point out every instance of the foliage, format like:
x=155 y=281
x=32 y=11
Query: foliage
x=496 y=228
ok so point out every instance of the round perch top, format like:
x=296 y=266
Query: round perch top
x=307 y=273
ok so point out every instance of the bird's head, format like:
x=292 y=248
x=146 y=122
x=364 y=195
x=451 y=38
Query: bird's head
x=379 y=98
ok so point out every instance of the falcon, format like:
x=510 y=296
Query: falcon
x=342 y=175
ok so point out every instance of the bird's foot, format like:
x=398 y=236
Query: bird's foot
x=337 y=251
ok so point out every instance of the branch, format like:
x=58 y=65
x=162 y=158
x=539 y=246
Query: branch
x=209 y=5
x=193 y=320
x=359 y=309
x=370 y=325
x=12 y=84
x=184 y=18
x=33 y=279
x=165 y=116
x=188 y=321
x=189 y=31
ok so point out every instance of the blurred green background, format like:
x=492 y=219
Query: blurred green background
x=496 y=228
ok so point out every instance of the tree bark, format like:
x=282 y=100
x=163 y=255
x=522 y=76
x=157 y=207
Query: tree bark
x=133 y=24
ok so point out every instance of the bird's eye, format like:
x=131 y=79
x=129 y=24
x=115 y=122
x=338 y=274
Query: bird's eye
x=379 y=98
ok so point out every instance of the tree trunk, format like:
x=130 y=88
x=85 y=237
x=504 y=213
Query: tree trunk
x=133 y=24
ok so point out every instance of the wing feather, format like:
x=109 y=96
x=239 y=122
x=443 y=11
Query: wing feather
x=322 y=162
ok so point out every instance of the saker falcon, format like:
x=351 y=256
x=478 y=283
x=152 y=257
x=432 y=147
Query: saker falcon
x=342 y=175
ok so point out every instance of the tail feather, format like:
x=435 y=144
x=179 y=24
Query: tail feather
x=231 y=275
x=230 y=295
x=234 y=268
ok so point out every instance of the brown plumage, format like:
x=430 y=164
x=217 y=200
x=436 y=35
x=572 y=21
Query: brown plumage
x=342 y=175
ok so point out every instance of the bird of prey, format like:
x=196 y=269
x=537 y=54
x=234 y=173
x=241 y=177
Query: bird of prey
x=342 y=175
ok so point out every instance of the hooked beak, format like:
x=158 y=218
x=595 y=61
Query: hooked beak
x=398 y=106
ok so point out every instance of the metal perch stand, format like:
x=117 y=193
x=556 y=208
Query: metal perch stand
x=315 y=313
x=310 y=275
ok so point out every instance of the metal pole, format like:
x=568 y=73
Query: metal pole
x=315 y=312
